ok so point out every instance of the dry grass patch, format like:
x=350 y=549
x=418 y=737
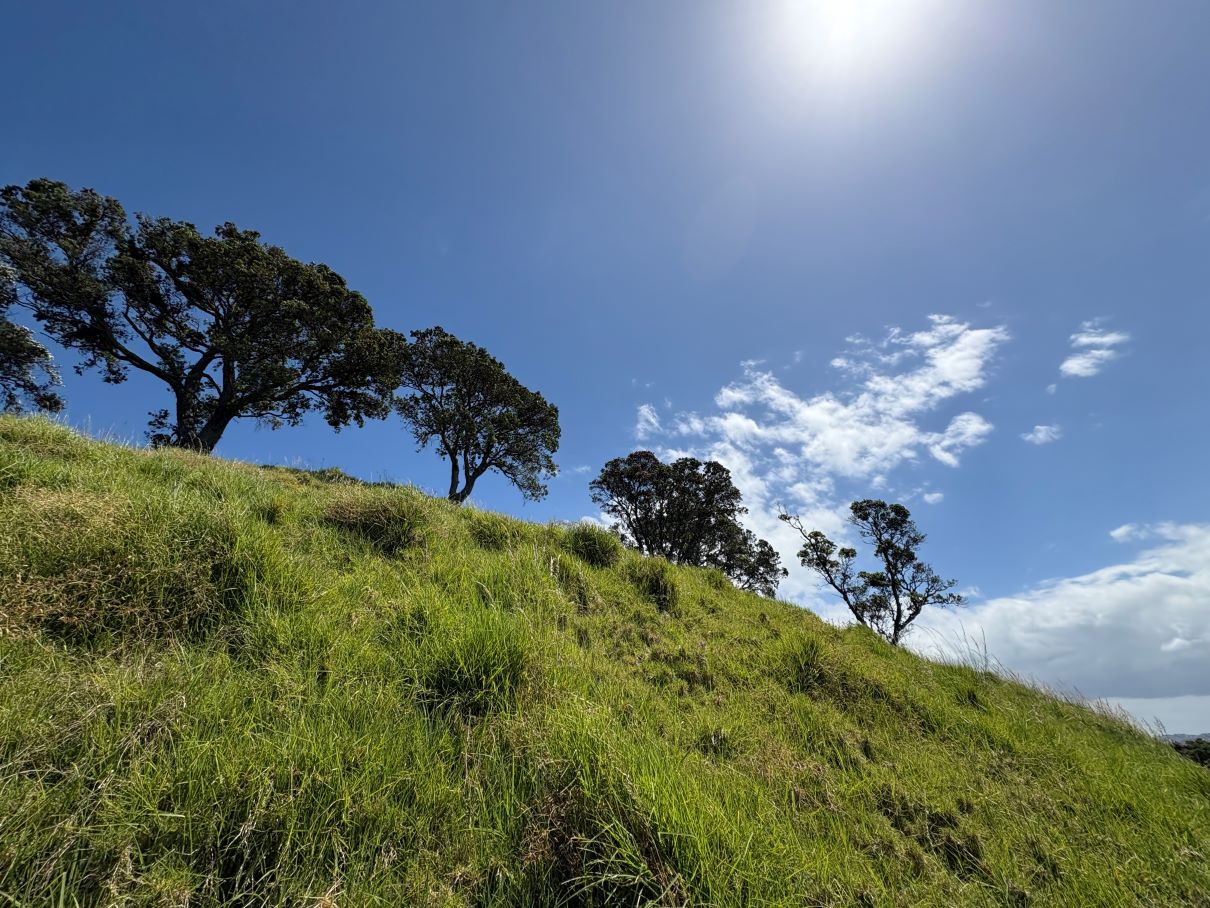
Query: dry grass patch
x=79 y=565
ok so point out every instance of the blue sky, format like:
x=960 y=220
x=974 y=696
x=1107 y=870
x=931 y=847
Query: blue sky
x=851 y=249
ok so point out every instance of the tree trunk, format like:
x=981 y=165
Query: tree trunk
x=184 y=432
x=190 y=436
x=453 y=495
x=209 y=437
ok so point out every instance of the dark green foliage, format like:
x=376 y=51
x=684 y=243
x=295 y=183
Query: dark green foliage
x=687 y=512
x=593 y=544
x=655 y=579
x=27 y=371
x=481 y=418
x=234 y=327
x=1197 y=750
x=889 y=600
x=389 y=520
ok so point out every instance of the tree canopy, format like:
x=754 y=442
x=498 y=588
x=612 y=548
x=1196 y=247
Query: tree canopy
x=889 y=600
x=688 y=512
x=27 y=372
x=457 y=394
x=235 y=327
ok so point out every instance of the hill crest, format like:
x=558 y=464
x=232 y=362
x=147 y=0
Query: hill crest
x=226 y=684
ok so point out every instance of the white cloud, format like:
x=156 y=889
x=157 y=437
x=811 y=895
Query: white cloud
x=1139 y=629
x=877 y=426
x=1043 y=435
x=582 y=468
x=1127 y=532
x=1090 y=335
x=785 y=449
x=965 y=431
x=1052 y=388
x=1093 y=347
x=933 y=497
x=1088 y=363
x=647 y=423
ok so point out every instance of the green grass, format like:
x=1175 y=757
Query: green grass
x=228 y=685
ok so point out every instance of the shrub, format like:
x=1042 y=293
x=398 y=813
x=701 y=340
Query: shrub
x=595 y=545
x=387 y=518
x=1197 y=750
x=654 y=578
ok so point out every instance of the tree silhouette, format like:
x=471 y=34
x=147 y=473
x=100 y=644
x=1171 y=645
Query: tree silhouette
x=27 y=371
x=688 y=512
x=480 y=416
x=235 y=327
x=889 y=600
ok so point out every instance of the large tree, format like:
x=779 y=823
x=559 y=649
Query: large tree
x=688 y=512
x=887 y=601
x=27 y=371
x=457 y=394
x=235 y=327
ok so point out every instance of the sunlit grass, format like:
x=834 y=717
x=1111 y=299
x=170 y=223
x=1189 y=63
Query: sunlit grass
x=225 y=685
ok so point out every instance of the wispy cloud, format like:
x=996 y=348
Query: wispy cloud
x=1093 y=347
x=933 y=497
x=1042 y=435
x=786 y=448
x=874 y=427
x=647 y=422
x=1129 y=532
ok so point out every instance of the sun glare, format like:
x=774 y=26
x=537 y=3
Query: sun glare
x=851 y=42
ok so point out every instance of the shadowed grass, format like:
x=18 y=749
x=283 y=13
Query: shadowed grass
x=390 y=521
x=655 y=579
x=226 y=685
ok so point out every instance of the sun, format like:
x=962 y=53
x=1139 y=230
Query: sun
x=851 y=41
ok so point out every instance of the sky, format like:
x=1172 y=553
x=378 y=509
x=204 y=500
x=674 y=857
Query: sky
x=950 y=254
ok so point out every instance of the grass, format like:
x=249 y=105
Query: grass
x=228 y=685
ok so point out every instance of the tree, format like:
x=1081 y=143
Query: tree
x=480 y=416
x=27 y=371
x=235 y=327
x=889 y=600
x=688 y=512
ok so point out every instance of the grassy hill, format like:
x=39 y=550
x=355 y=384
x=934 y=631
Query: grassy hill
x=223 y=684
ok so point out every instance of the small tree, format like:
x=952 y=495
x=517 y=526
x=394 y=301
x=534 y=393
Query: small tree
x=479 y=415
x=27 y=371
x=688 y=512
x=889 y=600
x=235 y=327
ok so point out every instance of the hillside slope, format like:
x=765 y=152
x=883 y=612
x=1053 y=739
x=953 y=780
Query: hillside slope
x=223 y=684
